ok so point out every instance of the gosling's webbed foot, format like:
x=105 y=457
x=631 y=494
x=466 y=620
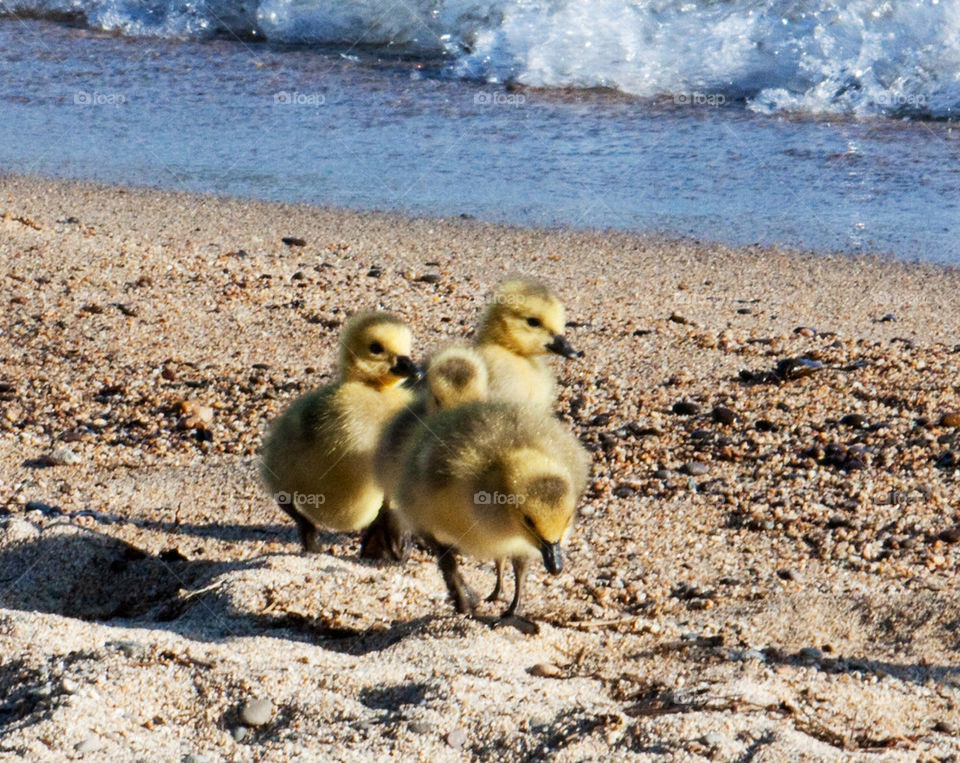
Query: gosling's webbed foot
x=464 y=598
x=309 y=538
x=384 y=540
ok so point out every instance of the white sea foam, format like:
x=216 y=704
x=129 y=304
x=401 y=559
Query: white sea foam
x=893 y=57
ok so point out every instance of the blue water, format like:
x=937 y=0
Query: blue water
x=407 y=130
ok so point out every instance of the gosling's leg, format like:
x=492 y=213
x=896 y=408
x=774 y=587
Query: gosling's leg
x=498 y=587
x=464 y=599
x=510 y=616
x=308 y=532
x=384 y=539
x=520 y=566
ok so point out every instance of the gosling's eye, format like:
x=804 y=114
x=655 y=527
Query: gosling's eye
x=376 y=348
x=535 y=322
x=528 y=522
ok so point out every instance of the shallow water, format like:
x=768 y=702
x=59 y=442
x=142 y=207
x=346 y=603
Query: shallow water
x=368 y=129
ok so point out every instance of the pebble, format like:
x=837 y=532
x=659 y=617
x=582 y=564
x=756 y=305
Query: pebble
x=63 y=457
x=797 y=368
x=695 y=468
x=256 y=712
x=855 y=420
x=457 y=738
x=950 y=535
x=723 y=415
x=624 y=491
x=945 y=727
x=677 y=318
x=422 y=727
x=194 y=758
x=811 y=653
x=545 y=670
x=293 y=241
x=374 y=272
x=950 y=420
x=429 y=278
x=685 y=408
x=239 y=733
x=89 y=744
x=713 y=739
x=663 y=474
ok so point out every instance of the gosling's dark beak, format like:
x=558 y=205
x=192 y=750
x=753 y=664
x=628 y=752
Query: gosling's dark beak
x=551 y=557
x=561 y=346
x=406 y=367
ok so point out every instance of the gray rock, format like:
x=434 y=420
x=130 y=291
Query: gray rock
x=457 y=738
x=240 y=733
x=63 y=457
x=194 y=758
x=695 y=468
x=89 y=744
x=256 y=712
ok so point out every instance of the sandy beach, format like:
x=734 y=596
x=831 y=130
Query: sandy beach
x=763 y=567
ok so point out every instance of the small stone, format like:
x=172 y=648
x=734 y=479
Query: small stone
x=947 y=460
x=695 y=468
x=765 y=425
x=457 y=738
x=624 y=491
x=950 y=535
x=194 y=758
x=256 y=712
x=811 y=653
x=855 y=420
x=713 y=739
x=797 y=368
x=127 y=648
x=239 y=733
x=545 y=670
x=786 y=574
x=950 y=420
x=374 y=272
x=723 y=415
x=677 y=318
x=89 y=744
x=69 y=686
x=685 y=408
x=63 y=457
x=293 y=241
x=429 y=278
x=945 y=727
x=888 y=318
x=422 y=727
x=663 y=474
x=169 y=373
x=600 y=420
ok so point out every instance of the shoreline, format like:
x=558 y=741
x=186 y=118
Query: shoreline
x=779 y=578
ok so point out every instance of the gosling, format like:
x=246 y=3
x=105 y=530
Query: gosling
x=455 y=376
x=318 y=456
x=524 y=321
x=493 y=481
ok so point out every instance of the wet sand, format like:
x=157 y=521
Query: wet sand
x=773 y=580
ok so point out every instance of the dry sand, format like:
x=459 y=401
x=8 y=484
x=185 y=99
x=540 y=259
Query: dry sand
x=778 y=587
